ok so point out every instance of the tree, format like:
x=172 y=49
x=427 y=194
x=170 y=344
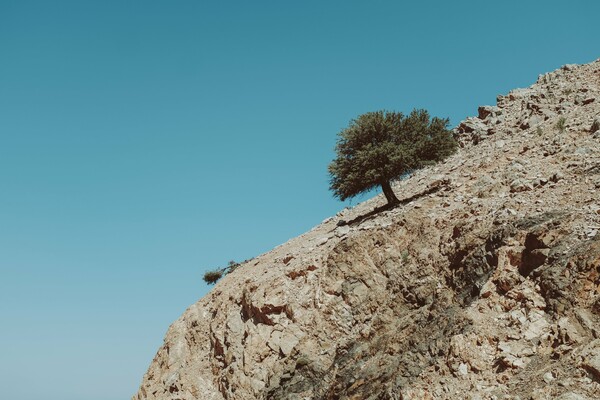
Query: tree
x=380 y=146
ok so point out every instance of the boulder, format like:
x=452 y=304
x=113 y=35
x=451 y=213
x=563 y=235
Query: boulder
x=520 y=185
x=591 y=358
x=485 y=111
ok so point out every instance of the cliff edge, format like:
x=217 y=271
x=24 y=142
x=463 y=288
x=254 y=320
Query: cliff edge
x=483 y=284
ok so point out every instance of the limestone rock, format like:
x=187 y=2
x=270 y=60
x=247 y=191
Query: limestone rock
x=485 y=287
x=591 y=358
x=488 y=111
x=572 y=396
x=595 y=127
x=520 y=185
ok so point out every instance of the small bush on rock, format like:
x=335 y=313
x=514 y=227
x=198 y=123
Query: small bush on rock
x=405 y=257
x=211 y=277
x=560 y=125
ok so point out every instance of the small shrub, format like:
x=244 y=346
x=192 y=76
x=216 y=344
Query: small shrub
x=232 y=266
x=560 y=125
x=404 y=257
x=211 y=277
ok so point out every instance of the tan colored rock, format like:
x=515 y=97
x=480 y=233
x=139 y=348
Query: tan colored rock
x=475 y=289
x=572 y=396
x=591 y=358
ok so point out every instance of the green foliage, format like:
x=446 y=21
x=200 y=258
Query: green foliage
x=404 y=257
x=384 y=145
x=211 y=277
x=560 y=125
x=232 y=266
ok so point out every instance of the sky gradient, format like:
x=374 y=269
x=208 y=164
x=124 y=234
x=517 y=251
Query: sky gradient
x=145 y=142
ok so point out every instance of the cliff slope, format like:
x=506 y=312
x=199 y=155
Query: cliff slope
x=483 y=284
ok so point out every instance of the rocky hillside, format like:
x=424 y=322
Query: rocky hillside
x=483 y=284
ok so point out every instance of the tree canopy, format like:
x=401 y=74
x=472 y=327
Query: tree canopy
x=380 y=146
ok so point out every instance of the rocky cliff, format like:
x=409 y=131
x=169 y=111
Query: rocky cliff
x=483 y=284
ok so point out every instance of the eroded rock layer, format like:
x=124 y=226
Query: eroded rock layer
x=483 y=284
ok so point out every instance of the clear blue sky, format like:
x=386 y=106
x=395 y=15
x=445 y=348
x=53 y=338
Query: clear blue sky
x=144 y=142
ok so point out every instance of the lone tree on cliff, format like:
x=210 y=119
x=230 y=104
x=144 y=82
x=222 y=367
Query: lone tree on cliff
x=380 y=146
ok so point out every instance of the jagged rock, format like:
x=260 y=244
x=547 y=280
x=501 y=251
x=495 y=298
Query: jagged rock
x=485 y=288
x=591 y=358
x=471 y=130
x=518 y=94
x=536 y=326
x=520 y=185
x=472 y=125
x=486 y=111
x=532 y=122
x=572 y=396
x=595 y=125
x=539 y=182
x=342 y=230
x=557 y=176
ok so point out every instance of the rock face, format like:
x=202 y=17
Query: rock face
x=484 y=284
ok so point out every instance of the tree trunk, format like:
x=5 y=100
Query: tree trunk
x=389 y=193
